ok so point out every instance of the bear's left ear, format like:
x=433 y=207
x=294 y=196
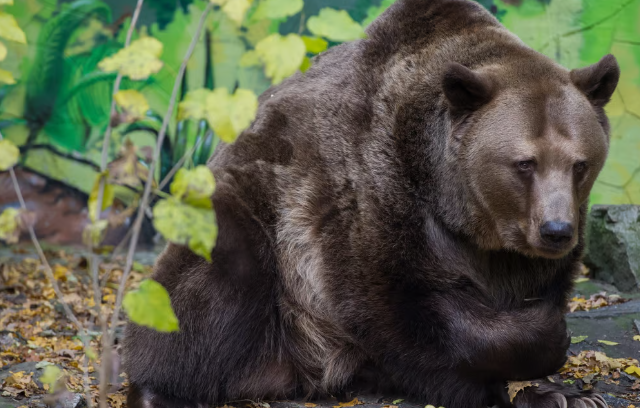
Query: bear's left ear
x=466 y=90
x=598 y=81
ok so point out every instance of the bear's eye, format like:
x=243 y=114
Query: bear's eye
x=525 y=166
x=580 y=167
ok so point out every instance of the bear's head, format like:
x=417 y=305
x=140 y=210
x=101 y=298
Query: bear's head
x=532 y=137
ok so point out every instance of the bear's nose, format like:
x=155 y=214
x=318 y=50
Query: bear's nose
x=556 y=232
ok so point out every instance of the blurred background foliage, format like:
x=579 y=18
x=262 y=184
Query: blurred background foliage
x=58 y=109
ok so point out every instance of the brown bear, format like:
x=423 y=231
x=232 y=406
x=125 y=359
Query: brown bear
x=410 y=211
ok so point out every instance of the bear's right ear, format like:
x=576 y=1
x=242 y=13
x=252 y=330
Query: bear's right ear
x=598 y=81
x=466 y=90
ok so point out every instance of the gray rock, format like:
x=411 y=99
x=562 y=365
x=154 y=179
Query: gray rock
x=69 y=400
x=613 y=245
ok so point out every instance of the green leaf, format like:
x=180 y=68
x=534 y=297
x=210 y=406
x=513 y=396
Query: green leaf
x=50 y=377
x=282 y=56
x=9 y=154
x=578 y=339
x=608 y=343
x=93 y=233
x=10 y=225
x=185 y=224
x=277 y=9
x=335 y=25
x=375 y=11
x=194 y=187
x=107 y=197
x=396 y=402
x=315 y=45
x=250 y=59
x=306 y=64
x=150 y=306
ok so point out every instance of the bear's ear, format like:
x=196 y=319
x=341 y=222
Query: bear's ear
x=466 y=90
x=598 y=81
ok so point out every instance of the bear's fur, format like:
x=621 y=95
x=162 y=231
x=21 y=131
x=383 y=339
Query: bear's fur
x=382 y=220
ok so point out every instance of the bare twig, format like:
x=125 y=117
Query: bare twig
x=105 y=374
x=60 y=296
x=156 y=156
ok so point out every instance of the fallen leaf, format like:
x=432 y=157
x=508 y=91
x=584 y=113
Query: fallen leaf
x=578 y=339
x=351 y=403
x=310 y=405
x=515 y=387
x=396 y=402
x=51 y=376
x=608 y=343
x=636 y=338
x=633 y=370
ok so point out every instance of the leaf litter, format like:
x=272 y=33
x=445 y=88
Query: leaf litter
x=33 y=328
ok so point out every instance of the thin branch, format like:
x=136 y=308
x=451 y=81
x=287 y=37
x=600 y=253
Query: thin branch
x=105 y=367
x=147 y=188
x=50 y=276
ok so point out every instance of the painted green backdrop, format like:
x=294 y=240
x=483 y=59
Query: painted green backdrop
x=58 y=109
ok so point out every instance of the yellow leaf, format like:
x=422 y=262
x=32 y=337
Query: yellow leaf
x=9 y=154
x=310 y=405
x=6 y=77
x=3 y=51
x=516 y=386
x=282 y=56
x=636 y=338
x=6 y=2
x=10 y=225
x=137 y=61
x=351 y=403
x=194 y=187
x=93 y=234
x=133 y=103
x=107 y=197
x=10 y=30
x=608 y=343
x=250 y=59
x=60 y=272
x=229 y=115
x=194 y=105
x=581 y=280
x=633 y=370
x=234 y=9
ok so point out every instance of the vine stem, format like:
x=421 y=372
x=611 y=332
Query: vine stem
x=156 y=157
x=105 y=366
x=50 y=276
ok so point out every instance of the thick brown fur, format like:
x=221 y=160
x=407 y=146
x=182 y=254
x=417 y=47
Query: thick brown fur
x=383 y=214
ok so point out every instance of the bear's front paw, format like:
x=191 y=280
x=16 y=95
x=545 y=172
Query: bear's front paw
x=556 y=396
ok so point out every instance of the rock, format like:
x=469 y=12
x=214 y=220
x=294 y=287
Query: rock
x=69 y=400
x=613 y=245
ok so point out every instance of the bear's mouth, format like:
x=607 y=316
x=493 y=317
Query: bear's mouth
x=553 y=251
